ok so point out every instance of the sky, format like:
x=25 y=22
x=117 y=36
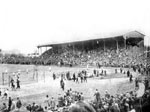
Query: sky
x=24 y=24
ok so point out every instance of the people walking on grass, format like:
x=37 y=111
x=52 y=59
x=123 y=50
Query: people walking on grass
x=85 y=78
x=77 y=79
x=18 y=83
x=128 y=73
x=12 y=84
x=81 y=77
x=130 y=78
x=74 y=77
x=54 y=76
x=62 y=84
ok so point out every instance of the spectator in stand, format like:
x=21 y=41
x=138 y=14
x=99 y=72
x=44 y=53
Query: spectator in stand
x=136 y=84
x=146 y=83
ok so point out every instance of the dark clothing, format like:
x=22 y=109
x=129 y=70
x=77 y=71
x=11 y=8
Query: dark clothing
x=18 y=84
x=74 y=77
x=12 y=83
x=18 y=104
x=97 y=95
x=54 y=76
x=131 y=78
x=62 y=84
x=128 y=73
x=9 y=104
x=85 y=78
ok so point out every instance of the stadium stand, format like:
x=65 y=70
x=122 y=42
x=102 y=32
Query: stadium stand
x=115 y=51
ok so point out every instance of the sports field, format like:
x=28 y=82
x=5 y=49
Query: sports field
x=36 y=90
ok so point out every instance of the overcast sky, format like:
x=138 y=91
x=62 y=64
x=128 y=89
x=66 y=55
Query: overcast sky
x=24 y=24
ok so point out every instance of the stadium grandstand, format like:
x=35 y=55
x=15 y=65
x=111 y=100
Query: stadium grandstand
x=123 y=57
x=124 y=49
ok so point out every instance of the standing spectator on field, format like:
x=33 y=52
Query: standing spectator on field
x=131 y=78
x=128 y=73
x=54 y=76
x=85 y=78
x=9 y=104
x=116 y=71
x=12 y=83
x=0 y=93
x=74 y=77
x=18 y=83
x=81 y=77
x=121 y=70
x=105 y=72
x=77 y=79
x=62 y=84
x=97 y=95
x=107 y=95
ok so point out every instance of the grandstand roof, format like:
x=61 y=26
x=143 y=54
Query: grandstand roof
x=125 y=35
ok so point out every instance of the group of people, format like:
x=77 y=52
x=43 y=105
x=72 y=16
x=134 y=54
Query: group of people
x=11 y=105
x=125 y=102
x=121 y=102
x=4 y=93
x=108 y=57
x=82 y=76
x=12 y=83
